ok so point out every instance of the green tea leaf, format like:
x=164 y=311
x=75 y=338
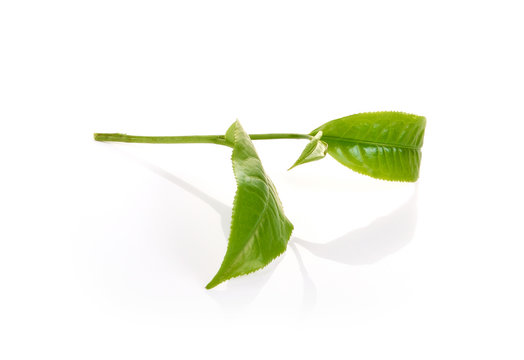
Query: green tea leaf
x=316 y=149
x=259 y=229
x=230 y=134
x=384 y=145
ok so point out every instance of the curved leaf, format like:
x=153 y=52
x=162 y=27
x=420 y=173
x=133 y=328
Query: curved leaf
x=384 y=145
x=259 y=229
x=316 y=149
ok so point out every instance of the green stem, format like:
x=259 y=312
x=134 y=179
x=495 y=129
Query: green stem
x=190 y=139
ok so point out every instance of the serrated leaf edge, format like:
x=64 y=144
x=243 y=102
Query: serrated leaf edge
x=214 y=283
x=384 y=178
x=423 y=118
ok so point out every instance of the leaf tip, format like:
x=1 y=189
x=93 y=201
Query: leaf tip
x=214 y=282
x=210 y=285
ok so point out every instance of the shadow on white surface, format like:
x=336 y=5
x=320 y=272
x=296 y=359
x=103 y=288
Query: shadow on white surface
x=309 y=297
x=371 y=243
x=366 y=245
x=239 y=291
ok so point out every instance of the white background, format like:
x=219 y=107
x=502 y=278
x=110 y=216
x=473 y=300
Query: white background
x=105 y=249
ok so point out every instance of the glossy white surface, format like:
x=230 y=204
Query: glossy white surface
x=105 y=249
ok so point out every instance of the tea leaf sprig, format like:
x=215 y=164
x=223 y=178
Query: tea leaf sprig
x=384 y=145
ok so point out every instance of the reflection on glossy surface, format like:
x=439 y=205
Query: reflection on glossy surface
x=309 y=297
x=240 y=291
x=366 y=245
x=373 y=242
